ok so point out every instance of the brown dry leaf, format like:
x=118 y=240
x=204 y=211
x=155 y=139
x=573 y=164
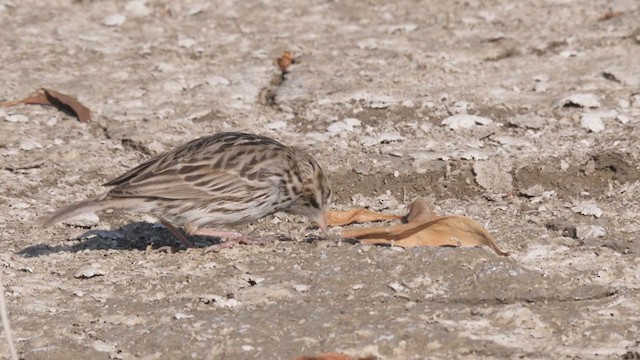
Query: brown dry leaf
x=341 y=218
x=426 y=228
x=57 y=99
x=421 y=210
x=333 y=356
x=610 y=14
x=285 y=61
x=456 y=231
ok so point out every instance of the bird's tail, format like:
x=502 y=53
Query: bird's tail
x=98 y=203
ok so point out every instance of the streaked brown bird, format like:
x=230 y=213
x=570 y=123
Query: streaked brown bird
x=224 y=179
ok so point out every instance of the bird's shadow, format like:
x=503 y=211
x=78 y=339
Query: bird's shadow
x=140 y=236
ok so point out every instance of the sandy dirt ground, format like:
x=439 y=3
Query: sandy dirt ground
x=549 y=167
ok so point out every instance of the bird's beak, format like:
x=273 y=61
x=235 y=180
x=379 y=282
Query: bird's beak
x=322 y=221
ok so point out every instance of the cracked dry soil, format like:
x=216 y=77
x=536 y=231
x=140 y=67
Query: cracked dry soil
x=558 y=186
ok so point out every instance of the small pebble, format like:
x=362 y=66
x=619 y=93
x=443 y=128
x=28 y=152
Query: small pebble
x=397 y=287
x=186 y=42
x=16 y=118
x=622 y=119
x=89 y=271
x=114 y=20
x=29 y=144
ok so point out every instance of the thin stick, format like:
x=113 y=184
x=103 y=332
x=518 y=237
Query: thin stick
x=6 y=325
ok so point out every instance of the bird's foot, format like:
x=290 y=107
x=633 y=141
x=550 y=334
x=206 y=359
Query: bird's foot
x=233 y=238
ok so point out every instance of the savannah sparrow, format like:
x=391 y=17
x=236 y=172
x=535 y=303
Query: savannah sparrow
x=224 y=179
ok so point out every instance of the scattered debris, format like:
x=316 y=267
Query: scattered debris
x=220 y=301
x=528 y=121
x=384 y=138
x=463 y=121
x=341 y=126
x=494 y=176
x=507 y=140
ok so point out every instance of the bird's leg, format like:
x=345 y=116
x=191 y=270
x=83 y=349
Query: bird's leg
x=232 y=237
x=177 y=234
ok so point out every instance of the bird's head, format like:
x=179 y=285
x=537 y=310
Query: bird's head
x=315 y=192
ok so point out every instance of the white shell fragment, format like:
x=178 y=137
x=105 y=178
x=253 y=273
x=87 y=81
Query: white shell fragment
x=592 y=122
x=463 y=121
x=16 y=118
x=584 y=232
x=30 y=144
x=587 y=209
x=397 y=287
x=186 y=42
x=138 y=8
x=181 y=316
x=585 y=100
x=114 y=20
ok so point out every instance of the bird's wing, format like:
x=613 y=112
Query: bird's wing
x=134 y=172
x=186 y=182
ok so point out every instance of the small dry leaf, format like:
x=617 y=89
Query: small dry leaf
x=57 y=99
x=426 y=228
x=285 y=61
x=610 y=14
x=333 y=356
x=341 y=218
